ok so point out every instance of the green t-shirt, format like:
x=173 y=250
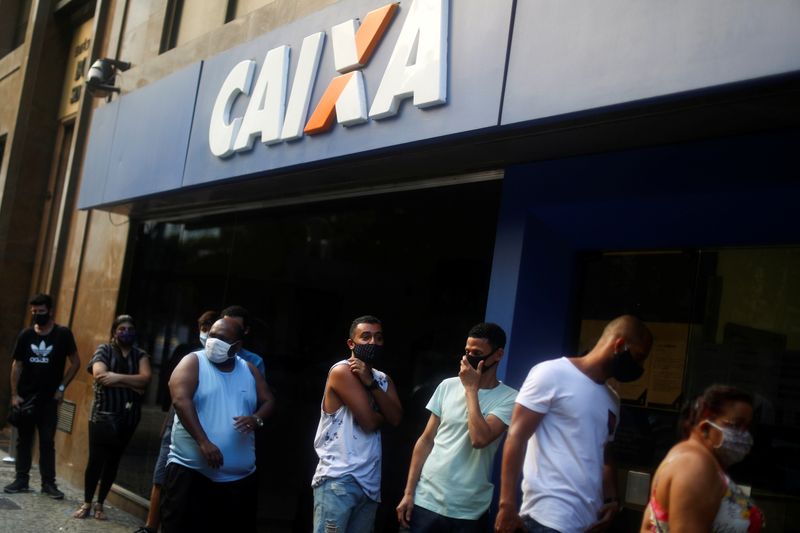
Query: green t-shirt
x=455 y=480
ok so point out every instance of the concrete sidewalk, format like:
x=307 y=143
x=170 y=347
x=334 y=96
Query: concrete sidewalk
x=35 y=513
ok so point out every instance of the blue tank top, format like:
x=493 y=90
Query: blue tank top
x=219 y=397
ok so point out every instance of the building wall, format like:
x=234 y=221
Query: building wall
x=30 y=83
x=91 y=274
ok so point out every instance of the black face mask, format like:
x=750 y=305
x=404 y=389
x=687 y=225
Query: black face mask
x=624 y=368
x=474 y=360
x=369 y=353
x=41 y=319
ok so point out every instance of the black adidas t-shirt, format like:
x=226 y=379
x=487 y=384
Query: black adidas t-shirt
x=43 y=358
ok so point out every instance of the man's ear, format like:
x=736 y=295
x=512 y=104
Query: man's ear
x=350 y=343
x=619 y=344
x=500 y=353
x=235 y=347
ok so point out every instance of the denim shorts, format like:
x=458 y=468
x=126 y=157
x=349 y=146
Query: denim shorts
x=340 y=506
x=160 y=471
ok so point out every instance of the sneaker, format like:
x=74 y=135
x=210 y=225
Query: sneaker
x=19 y=485
x=52 y=491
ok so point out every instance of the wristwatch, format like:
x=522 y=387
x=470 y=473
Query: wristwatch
x=61 y=388
x=259 y=421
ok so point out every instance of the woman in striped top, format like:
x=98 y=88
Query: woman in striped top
x=121 y=374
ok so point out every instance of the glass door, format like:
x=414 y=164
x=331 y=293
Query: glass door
x=728 y=316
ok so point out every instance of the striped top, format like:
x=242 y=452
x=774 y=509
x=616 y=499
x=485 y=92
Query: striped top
x=120 y=400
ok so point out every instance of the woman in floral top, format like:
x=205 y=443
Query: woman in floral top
x=691 y=490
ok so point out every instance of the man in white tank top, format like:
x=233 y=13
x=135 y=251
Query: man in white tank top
x=358 y=400
x=220 y=400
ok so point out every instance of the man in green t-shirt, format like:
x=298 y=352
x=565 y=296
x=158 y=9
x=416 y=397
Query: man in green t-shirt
x=449 y=487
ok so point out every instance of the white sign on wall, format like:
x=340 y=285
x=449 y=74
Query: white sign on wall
x=417 y=69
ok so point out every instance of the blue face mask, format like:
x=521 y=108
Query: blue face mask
x=203 y=338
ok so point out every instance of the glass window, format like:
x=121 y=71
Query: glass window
x=13 y=24
x=418 y=260
x=728 y=316
x=186 y=21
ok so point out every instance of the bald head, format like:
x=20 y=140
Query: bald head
x=228 y=329
x=631 y=329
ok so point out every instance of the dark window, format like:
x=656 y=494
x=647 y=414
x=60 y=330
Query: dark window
x=13 y=24
x=418 y=260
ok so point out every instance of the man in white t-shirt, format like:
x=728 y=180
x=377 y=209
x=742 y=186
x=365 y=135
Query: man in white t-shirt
x=565 y=415
x=449 y=484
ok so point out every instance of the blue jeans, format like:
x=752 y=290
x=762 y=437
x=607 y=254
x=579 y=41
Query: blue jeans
x=340 y=506
x=426 y=521
x=532 y=526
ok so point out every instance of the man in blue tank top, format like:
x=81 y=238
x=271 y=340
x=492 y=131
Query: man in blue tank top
x=220 y=400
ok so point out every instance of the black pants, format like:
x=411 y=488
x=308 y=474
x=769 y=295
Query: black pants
x=107 y=443
x=192 y=502
x=44 y=419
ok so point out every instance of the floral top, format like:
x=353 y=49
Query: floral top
x=737 y=513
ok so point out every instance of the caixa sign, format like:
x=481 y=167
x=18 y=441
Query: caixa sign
x=417 y=69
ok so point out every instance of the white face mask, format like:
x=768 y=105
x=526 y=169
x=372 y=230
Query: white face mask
x=735 y=444
x=203 y=338
x=217 y=350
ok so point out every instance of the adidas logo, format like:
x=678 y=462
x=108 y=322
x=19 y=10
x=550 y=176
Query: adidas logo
x=41 y=352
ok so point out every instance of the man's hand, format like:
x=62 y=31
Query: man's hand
x=404 y=510
x=508 y=521
x=607 y=513
x=245 y=424
x=16 y=400
x=360 y=369
x=212 y=454
x=469 y=376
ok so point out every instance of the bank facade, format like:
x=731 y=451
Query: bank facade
x=540 y=165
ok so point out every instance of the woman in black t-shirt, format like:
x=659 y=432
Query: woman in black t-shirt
x=121 y=373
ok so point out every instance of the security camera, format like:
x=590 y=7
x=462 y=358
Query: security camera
x=101 y=76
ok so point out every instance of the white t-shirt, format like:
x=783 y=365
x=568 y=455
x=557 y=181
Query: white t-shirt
x=562 y=485
x=346 y=449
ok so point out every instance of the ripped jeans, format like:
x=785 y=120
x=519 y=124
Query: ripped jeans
x=340 y=506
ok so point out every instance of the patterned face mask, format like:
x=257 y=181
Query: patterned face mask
x=735 y=444
x=369 y=353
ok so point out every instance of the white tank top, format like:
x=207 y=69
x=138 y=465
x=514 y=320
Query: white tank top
x=345 y=449
x=219 y=397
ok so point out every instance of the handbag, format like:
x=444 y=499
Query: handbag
x=23 y=412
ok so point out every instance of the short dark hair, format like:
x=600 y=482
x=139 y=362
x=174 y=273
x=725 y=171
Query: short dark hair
x=493 y=333
x=366 y=319
x=237 y=311
x=42 y=299
x=712 y=403
x=207 y=318
x=119 y=320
